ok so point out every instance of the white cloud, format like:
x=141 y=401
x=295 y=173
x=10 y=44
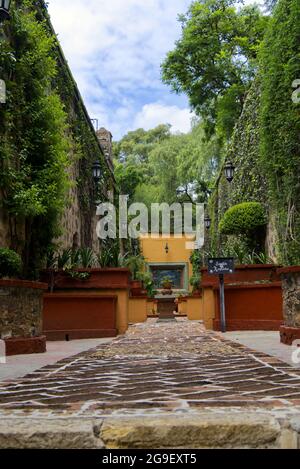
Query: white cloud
x=156 y=113
x=114 y=49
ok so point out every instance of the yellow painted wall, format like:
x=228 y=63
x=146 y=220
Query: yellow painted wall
x=208 y=307
x=195 y=309
x=154 y=251
x=137 y=310
x=151 y=307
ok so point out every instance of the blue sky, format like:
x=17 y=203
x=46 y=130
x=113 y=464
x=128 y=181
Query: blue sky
x=114 y=49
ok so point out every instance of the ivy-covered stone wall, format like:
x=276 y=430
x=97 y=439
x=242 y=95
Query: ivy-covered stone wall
x=48 y=144
x=249 y=183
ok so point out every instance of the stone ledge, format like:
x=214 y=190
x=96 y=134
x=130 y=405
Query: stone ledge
x=207 y=429
x=192 y=432
x=30 y=433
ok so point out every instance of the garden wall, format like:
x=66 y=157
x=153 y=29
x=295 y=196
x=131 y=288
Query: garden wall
x=69 y=316
x=21 y=305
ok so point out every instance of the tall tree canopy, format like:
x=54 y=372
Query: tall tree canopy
x=156 y=166
x=214 y=61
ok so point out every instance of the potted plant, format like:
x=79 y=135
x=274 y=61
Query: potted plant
x=195 y=283
x=147 y=281
x=135 y=264
x=81 y=268
x=167 y=285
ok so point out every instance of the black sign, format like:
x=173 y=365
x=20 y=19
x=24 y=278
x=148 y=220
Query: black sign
x=221 y=266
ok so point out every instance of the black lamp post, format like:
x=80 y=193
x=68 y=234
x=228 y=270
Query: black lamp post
x=207 y=222
x=229 y=170
x=97 y=172
x=4 y=10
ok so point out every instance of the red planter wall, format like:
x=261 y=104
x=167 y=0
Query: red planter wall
x=99 y=279
x=245 y=273
x=251 y=307
x=79 y=316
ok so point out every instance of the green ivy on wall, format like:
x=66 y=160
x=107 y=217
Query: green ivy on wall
x=34 y=150
x=44 y=131
x=249 y=184
x=280 y=125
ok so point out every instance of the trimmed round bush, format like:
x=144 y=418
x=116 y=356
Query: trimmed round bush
x=244 y=218
x=10 y=263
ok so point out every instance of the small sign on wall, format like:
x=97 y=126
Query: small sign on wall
x=221 y=266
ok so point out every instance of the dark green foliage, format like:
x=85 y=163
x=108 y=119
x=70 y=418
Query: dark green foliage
x=280 y=125
x=214 y=61
x=10 y=263
x=244 y=218
x=34 y=149
x=110 y=256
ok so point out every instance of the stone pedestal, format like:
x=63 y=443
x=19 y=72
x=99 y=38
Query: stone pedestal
x=165 y=308
x=290 y=331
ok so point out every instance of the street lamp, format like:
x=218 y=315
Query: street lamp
x=229 y=170
x=207 y=222
x=4 y=10
x=97 y=172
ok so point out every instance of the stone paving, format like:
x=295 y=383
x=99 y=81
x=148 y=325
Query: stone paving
x=155 y=367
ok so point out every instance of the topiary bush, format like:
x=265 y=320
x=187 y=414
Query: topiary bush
x=245 y=218
x=10 y=263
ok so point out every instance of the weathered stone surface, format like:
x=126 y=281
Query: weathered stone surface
x=288 y=439
x=49 y=434
x=20 y=312
x=295 y=424
x=291 y=298
x=200 y=431
x=160 y=385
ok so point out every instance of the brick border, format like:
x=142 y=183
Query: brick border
x=289 y=334
x=25 y=346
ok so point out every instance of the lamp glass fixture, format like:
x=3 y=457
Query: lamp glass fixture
x=207 y=222
x=229 y=170
x=4 y=9
x=97 y=171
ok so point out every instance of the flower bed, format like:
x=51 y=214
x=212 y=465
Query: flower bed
x=96 y=278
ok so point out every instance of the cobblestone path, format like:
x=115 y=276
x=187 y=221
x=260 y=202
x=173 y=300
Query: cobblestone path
x=155 y=367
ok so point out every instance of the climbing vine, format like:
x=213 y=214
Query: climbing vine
x=280 y=125
x=34 y=149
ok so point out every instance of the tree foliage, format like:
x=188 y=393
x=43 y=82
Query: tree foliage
x=155 y=166
x=214 y=61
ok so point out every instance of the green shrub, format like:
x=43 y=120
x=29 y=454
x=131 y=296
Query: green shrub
x=245 y=218
x=195 y=281
x=10 y=263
